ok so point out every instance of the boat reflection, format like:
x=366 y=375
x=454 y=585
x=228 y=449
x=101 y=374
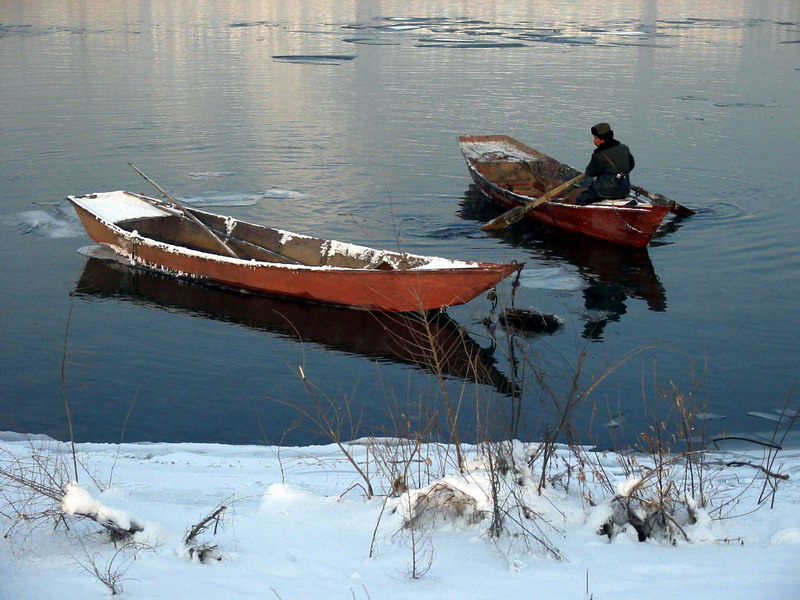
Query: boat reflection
x=613 y=274
x=435 y=343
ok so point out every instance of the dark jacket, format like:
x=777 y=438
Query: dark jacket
x=611 y=163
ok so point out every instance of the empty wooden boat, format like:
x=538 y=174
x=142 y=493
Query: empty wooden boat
x=191 y=243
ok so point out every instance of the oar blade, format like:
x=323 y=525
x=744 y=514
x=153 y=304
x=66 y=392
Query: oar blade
x=676 y=209
x=507 y=219
x=681 y=211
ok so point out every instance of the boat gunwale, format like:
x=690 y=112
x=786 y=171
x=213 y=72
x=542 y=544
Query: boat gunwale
x=459 y=265
x=605 y=204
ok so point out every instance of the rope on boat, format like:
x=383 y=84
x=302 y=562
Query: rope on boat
x=515 y=284
x=624 y=222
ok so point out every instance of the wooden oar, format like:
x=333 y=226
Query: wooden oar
x=186 y=213
x=675 y=208
x=259 y=247
x=165 y=207
x=518 y=212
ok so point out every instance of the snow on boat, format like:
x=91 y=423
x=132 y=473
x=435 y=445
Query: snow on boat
x=511 y=174
x=154 y=234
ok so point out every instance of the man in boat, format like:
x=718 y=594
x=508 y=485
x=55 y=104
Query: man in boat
x=610 y=165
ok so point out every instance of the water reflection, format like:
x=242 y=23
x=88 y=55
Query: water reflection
x=613 y=274
x=667 y=228
x=435 y=343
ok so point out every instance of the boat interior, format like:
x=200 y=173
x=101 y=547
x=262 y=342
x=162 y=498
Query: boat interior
x=254 y=242
x=514 y=166
x=518 y=177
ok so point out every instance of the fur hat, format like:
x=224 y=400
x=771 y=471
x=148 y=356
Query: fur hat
x=603 y=131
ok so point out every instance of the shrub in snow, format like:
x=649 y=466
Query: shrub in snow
x=203 y=552
x=440 y=502
x=496 y=492
x=119 y=524
x=652 y=511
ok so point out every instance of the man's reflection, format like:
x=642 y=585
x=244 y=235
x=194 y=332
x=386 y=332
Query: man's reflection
x=613 y=274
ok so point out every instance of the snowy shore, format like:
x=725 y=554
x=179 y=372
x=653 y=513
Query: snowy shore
x=297 y=525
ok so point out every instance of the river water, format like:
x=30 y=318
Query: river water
x=351 y=135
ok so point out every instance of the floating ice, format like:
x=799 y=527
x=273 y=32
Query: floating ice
x=644 y=44
x=744 y=105
x=552 y=278
x=223 y=199
x=558 y=39
x=286 y=194
x=314 y=59
x=371 y=41
x=779 y=415
x=617 y=32
x=209 y=174
x=29 y=30
x=789 y=413
x=708 y=416
x=58 y=222
x=251 y=24
x=467 y=44
x=763 y=415
x=616 y=421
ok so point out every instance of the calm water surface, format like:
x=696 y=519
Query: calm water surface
x=362 y=148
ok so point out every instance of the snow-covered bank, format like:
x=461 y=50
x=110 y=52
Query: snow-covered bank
x=297 y=525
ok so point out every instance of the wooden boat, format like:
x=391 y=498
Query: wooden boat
x=154 y=234
x=432 y=341
x=511 y=173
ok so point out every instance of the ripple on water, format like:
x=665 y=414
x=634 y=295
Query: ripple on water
x=723 y=212
x=450 y=232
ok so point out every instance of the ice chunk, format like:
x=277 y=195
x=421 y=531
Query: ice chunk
x=552 y=278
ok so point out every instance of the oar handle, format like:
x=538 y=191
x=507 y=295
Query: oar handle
x=555 y=191
x=186 y=213
x=518 y=212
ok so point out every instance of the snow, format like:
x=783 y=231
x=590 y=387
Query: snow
x=296 y=525
x=483 y=150
x=625 y=488
x=114 y=207
x=77 y=501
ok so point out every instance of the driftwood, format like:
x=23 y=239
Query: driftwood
x=204 y=552
x=743 y=463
